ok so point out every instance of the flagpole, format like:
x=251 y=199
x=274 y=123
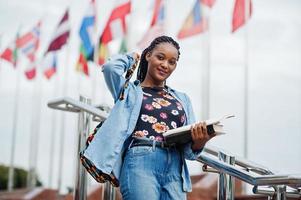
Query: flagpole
x=246 y=80
x=63 y=116
x=95 y=56
x=35 y=130
x=15 y=122
x=52 y=130
x=206 y=69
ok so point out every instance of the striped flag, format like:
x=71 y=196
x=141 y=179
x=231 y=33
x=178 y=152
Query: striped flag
x=195 y=22
x=28 y=44
x=86 y=36
x=115 y=28
x=156 y=26
x=103 y=52
x=61 y=34
x=50 y=65
x=239 y=14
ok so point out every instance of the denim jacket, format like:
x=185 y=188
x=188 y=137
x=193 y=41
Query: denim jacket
x=108 y=145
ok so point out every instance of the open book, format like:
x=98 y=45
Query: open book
x=182 y=134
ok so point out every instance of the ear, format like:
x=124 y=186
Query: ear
x=147 y=56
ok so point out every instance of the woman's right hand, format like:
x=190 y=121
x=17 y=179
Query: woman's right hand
x=136 y=55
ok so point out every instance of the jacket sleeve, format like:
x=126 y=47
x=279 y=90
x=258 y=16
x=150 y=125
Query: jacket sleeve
x=188 y=152
x=113 y=71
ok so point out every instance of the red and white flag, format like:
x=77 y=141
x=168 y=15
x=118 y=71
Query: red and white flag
x=208 y=3
x=116 y=25
x=28 y=44
x=61 y=34
x=239 y=14
x=157 y=25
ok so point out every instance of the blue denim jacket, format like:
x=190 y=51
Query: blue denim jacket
x=108 y=145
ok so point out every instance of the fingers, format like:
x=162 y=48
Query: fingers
x=136 y=56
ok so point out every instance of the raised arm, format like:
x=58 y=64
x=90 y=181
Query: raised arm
x=113 y=71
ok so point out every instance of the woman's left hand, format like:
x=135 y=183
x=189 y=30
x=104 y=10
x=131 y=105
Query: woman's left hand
x=199 y=136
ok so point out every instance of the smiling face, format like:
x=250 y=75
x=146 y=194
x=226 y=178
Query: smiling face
x=162 y=61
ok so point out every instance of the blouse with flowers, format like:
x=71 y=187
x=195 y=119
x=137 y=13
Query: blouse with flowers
x=159 y=113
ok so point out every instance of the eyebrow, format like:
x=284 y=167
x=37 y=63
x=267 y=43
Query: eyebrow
x=165 y=55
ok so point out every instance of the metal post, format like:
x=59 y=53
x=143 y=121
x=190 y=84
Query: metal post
x=108 y=192
x=226 y=183
x=80 y=191
x=281 y=192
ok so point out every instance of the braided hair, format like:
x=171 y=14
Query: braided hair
x=143 y=65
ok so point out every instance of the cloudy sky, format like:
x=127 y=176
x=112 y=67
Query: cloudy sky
x=272 y=53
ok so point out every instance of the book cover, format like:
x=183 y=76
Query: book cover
x=182 y=134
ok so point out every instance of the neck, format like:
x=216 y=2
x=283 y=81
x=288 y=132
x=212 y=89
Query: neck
x=147 y=83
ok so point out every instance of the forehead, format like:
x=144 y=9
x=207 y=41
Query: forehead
x=166 y=48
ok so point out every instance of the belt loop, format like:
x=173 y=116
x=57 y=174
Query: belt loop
x=131 y=144
x=154 y=145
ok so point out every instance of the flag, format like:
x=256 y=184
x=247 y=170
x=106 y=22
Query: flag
x=195 y=22
x=50 y=65
x=86 y=36
x=123 y=46
x=30 y=73
x=28 y=44
x=61 y=34
x=116 y=25
x=239 y=15
x=103 y=52
x=115 y=28
x=156 y=26
x=10 y=54
x=208 y=3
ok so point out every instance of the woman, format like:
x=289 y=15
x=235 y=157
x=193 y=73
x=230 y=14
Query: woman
x=130 y=142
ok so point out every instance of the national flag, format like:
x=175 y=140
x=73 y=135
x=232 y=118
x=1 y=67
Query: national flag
x=50 y=65
x=28 y=44
x=156 y=26
x=10 y=54
x=116 y=25
x=195 y=22
x=86 y=36
x=103 y=52
x=123 y=46
x=30 y=73
x=239 y=14
x=115 y=28
x=208 y=3
x=61 y=34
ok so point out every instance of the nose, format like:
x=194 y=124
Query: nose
x=164 y=64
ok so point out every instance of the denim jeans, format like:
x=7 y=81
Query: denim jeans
x=151 y=172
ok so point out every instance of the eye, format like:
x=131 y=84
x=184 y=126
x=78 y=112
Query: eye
x=160 y=57
x=172 y=62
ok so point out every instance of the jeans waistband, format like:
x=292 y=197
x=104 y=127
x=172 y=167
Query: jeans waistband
x=137 y=142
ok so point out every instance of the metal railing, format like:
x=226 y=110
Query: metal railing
x=228 y=166
x=214 y=160
x=85 y=111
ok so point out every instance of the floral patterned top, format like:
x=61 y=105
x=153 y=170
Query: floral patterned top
x=159 y=112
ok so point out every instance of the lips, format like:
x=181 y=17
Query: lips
x=162 y=72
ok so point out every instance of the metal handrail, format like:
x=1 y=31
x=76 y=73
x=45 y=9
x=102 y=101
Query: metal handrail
x=71 y=105
x=248 y=172
x=245 y=174
x=83 y=108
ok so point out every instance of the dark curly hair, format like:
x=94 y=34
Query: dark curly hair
x=142 y=69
